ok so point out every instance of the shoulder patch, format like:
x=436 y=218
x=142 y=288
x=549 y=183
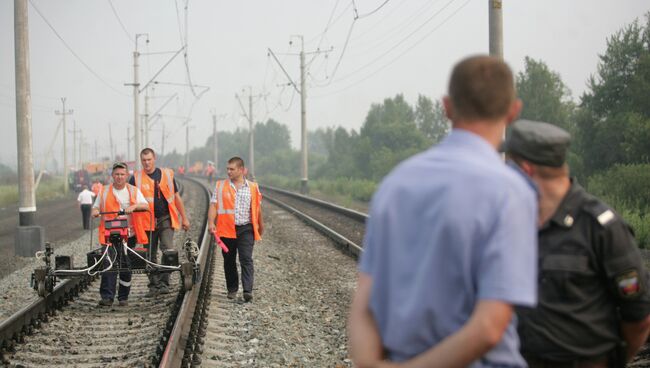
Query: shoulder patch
x=605 y=217
x=628 y=284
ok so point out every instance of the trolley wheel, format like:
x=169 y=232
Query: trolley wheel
x=187 y=282
x=41 y=288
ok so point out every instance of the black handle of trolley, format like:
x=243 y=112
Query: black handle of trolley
x=120 y=212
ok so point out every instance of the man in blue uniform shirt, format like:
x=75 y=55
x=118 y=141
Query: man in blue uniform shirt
x=450 y=244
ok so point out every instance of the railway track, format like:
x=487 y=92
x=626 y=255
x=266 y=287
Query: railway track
x=67 y=328
x=345 y=226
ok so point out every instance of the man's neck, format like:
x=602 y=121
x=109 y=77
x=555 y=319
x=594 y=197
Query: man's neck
x=551 y=194
x=238 y=181
x=119 y=187
x=151 y=171
x=491 y=131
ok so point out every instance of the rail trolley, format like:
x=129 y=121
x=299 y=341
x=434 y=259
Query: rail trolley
x=115 y=256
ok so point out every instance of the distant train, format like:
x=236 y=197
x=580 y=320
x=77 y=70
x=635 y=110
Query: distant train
x=77 y=180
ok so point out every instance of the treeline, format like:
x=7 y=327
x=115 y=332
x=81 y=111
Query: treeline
x=609 y=122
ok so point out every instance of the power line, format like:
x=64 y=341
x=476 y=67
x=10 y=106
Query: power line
x=72 y=51
x=357 y=16
x=120 y=21
x=398 y=56
x=395 y=46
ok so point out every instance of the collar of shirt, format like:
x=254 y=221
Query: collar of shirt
x=569 y=206
x=473 y=143
x=233 y=184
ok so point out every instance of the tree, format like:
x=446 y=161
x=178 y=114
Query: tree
x=544 y=95
x=614 y=121
x=431 y=119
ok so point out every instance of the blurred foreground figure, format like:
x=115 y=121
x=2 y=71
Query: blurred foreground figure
x=451 y=241
x=593 y=288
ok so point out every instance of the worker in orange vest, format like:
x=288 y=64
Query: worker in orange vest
x=161 y=192
x=181 y=170
x=235 y=214
x=115 y=197
x=97 y=187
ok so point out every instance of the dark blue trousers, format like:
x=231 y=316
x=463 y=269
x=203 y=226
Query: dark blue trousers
x=109 y=279
x=243 y=245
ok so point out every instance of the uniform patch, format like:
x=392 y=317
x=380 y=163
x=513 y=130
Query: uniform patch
x=605 y=217
x=628 y=284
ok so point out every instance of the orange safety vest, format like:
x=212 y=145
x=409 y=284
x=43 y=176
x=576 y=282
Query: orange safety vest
x=108 y=203
x=97 y=187
x=166 y=186
x=226 y=209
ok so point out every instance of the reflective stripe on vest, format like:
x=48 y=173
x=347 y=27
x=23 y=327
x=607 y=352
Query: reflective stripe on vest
x=164 y=174
x=220 y=209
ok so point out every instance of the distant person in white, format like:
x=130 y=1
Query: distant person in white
x=85 y=200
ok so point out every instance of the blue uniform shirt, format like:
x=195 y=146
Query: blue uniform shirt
x=447 y=228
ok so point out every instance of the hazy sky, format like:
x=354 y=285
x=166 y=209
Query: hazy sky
x=407 y=46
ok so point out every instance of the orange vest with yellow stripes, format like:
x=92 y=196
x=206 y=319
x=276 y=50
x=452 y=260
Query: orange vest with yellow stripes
x=226 y=209
x=166 y=186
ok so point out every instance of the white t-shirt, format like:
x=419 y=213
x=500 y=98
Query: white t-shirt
x=85 y=197
x=123 y=197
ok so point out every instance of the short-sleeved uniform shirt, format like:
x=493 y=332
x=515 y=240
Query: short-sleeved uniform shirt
x=590 y=272
x=448 y=228
x=160 y=205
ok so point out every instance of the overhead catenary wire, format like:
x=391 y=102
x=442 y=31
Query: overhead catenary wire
x=74 y=53
x=398 y=56
x=128 y=35
x=356 y=12
x=396 y=45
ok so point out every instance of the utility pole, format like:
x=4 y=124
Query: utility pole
x=74 y=144
x=96 y=157
x=136 y=98
x=81 y=142
x=251 y=135
x=251 y=131
x=110 y=141
x=304 y=167
x=162 y=144
x=303 y=121
x=496 y=28
x=64 y=113
x=29 y=237
x=215 y=152
x=128 y=143
x=187 y=146
x=145 y=123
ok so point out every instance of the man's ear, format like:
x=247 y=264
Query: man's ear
x=449 y=107
x=528 y=168
x=514 y=111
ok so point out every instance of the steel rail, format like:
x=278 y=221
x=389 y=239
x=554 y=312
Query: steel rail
x=346 y=243
x=179 y=338
x=22 y=323
x=355 y=215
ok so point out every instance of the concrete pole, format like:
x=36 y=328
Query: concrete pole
x=136 y=112
x=251 y=136
x=29 y=238
x=128 y=143
x=27 y=201
x=215 y=152
x=65 y=113
x=304 y=182
x=145 y=122
x=496 y=28
x=187 y=147
x=96 y=157
x=74 y=144
x=81 y=142
x=162 y=144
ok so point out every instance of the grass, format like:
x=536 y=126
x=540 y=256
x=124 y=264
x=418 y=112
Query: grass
x=47 y=190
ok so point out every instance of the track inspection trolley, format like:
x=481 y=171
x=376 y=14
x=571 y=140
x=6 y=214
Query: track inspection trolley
x=115 y=256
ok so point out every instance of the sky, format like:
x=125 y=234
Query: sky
x=85 y=54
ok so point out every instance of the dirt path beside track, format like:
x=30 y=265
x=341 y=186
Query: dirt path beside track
x=61 y=219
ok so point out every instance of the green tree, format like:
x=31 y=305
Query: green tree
x=614 y=121
x=431 y=119
x=544 y=95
